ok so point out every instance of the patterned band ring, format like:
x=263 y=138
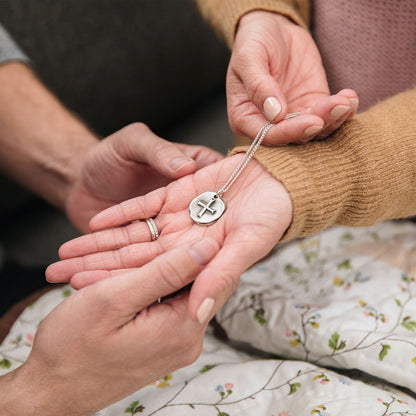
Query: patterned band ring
x=152 y=228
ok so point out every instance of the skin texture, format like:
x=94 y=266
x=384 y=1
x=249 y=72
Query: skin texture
x=273 y=57
x=246 y=232
x=108 y=340
x=130 y=162
x=51 y=152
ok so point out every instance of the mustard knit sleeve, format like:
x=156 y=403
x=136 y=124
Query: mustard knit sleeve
x=364 y=173
x=224 y=15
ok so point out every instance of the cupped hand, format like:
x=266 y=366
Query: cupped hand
x=276 y=69
x=108 y=340
x=258 y=212
x=131 y=162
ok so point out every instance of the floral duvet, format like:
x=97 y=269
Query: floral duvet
x=323 y=326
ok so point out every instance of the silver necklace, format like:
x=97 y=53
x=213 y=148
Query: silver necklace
x=208 y=207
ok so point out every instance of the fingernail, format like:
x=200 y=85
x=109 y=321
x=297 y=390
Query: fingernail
x=205 y=309
x=339 y=111
x=179 y=162
x=271 y=108
x=312 y=130
x=203 y=251
x=353 y=104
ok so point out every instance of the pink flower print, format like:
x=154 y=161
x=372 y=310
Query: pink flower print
x=323 y=382
x=30 y=338
x=228 y=386
x=380 y=400
x=284 y=413
x=366 y=313
x=288 y=332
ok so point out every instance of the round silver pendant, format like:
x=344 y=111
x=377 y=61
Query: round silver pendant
x=206 y=208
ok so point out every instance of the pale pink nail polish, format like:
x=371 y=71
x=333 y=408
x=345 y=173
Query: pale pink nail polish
x=205 y=310
x=312 y=130
x=271 y=108
x=339 y=111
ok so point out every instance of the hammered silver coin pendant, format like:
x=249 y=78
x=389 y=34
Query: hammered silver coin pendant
x=206 y=208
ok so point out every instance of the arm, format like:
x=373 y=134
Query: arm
x=40 y=140
x=107 y=341
x=224 y=16
x=276 y=69
x=51 y=152
x=364 y=173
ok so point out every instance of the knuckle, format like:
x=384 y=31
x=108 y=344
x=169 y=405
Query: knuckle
x=136 y=128
x=171 y=275
x=227 y=283
x=192 y=347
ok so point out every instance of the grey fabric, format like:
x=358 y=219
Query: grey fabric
x=115 y=62
x=9 y=51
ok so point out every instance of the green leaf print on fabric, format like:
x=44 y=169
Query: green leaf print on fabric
x=384 y=351
x=334 y=344
x=134 y=408
x=408 y=323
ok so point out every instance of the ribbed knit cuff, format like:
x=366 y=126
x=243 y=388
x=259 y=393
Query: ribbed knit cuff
x=224 y=15
x=9 y=51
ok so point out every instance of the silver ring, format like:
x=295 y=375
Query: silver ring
x=291 y=115
x=153 y=229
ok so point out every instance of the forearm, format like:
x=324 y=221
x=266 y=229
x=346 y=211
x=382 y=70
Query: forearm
x=29 y=391
x=41 y=142
x=225 y=15
x=364 y=173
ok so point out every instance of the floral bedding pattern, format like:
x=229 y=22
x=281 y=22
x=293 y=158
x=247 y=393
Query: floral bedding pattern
x=344 y=299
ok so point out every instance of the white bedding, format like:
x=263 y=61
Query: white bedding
x=343 y=299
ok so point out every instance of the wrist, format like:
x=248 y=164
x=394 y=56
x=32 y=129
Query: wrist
x=256 y=16
x=41 y=141
x=30 y=390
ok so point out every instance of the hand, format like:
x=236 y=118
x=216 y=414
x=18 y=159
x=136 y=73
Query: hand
x=130 y=162
x=109 y=340
x=275 y=69
x=246 y=232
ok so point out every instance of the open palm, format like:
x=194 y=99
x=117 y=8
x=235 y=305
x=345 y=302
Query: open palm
x=258 y=213
x=274 y=57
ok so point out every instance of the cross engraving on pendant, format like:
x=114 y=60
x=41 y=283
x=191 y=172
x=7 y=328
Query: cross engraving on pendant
x=206 y=207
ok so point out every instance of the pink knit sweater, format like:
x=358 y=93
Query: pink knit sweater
x=367 y=45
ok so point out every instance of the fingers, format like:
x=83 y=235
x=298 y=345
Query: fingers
x=216 y=283
x=317 y=121
x=110 y=239
x=136 y=208
x=340 y=113
x=261 y=87
x=202 y=155
x=161 y=277
x=82 y=279
x=133 y=255
x=136 y=142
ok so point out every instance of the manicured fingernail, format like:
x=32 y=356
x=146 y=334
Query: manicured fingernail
x=203 y=251
x=205 y=309
x=312 y=130
x=179 y=162
x=353 y=104
x=271 y=108
x=339 y=111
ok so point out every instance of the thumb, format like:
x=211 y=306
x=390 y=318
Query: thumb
x=138 y=143
x=166 y=274
x=262 y=89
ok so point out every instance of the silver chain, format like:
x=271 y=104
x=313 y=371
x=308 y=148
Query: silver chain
x=249 y=154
